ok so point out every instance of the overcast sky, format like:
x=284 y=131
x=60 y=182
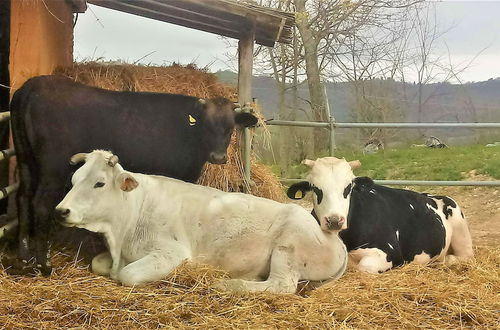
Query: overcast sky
x=112 y=35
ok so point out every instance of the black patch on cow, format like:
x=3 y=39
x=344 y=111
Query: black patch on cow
x=432 y=202
x=318 y=192
x=446 y=200
x=347 y=190
x=462 y=214
x=298 y=190
x=375 y=218
x=448 y=204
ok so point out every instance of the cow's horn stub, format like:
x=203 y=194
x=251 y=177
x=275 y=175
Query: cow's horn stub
x=77 y=158
x=308 y=162
x=113 y=160
x=354 y=164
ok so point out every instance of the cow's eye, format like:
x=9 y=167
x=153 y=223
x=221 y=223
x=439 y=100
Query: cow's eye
x=99 y=185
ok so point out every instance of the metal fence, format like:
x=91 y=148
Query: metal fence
x=4 y=156
x=332 y=125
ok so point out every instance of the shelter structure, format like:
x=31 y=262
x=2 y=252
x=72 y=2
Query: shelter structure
x=37 y=36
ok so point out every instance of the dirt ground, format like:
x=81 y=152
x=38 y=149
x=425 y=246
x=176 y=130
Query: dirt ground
x=481 y=207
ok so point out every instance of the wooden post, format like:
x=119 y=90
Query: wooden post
x=245 y=66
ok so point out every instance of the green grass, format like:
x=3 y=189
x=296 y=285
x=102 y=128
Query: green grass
x=420 y=163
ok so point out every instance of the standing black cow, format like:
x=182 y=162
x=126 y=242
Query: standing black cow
x=54 y=118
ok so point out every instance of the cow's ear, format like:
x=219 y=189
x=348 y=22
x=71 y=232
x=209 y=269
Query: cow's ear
x=245 y=119
x=363 y=183
x=298 y=190
x=126 y=182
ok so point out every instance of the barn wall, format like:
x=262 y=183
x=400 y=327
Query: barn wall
x=41 y=38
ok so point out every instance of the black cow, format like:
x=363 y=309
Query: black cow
x=384 y=227
x=53 y=118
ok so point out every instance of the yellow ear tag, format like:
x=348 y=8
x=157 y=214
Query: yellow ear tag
x=298 y=194
x=192 y=120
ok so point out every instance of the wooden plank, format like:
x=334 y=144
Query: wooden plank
x=148 y=13
x=174 y=16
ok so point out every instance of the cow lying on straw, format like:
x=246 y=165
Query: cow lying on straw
x=384 y=227
x=153 y=223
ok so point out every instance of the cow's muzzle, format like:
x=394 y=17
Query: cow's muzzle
x=217 y=158
x=61 y=214
x=335 y=222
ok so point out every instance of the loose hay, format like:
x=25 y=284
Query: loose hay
x=465 y=295
x=188 y=80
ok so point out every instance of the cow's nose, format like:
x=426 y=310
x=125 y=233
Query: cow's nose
x=62 y=213
x=217 y=158
x=334 y=222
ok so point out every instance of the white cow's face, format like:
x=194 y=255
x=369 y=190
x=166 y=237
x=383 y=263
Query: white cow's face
x=330 y=179
x=97 y=187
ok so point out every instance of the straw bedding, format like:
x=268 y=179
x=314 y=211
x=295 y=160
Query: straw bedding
x=465 y=295
x=188 y=80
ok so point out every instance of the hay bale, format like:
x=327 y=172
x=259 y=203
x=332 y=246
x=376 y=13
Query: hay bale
x=188 y=80
x=465 y=295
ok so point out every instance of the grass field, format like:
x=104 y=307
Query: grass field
x=420 y=163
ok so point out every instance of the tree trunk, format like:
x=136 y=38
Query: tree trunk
x=316 y=90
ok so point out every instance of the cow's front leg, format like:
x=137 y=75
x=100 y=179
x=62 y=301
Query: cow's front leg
x=102 y=264
x=152 y=267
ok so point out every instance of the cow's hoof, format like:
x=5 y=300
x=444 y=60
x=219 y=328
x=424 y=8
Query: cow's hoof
x=234 y=285
x=44 y=269
x=19 y=267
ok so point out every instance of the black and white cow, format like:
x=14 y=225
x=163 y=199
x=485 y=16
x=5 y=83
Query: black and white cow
x=153 y=223
x=383 y=227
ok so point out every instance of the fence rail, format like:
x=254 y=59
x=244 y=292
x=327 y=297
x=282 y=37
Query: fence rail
x=379 y=125
x=331 y=125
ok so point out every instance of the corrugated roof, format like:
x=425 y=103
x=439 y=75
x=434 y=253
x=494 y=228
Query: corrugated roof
x=223 y=17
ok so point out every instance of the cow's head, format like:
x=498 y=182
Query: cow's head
x=331 y=180
x=219 y=120
x=98 y=186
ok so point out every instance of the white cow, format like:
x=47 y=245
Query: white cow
x=153 y=223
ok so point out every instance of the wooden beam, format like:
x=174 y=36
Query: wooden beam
x=245 y=63
x=245 y=68
x=228 y=27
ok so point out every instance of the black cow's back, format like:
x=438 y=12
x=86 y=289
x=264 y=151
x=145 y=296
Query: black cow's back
x=398 y=222
x=150 y=132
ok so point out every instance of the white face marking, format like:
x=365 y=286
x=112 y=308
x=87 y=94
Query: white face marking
x=332 y=176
